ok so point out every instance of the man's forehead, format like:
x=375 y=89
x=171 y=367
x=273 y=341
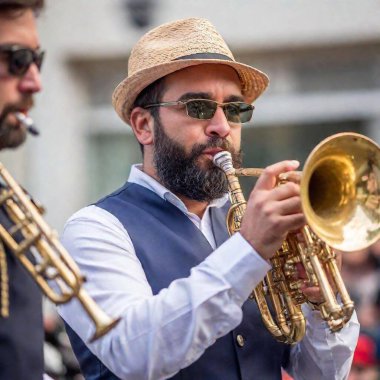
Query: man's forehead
x=20 y=30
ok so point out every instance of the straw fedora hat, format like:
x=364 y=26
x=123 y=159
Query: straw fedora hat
x=174 y=46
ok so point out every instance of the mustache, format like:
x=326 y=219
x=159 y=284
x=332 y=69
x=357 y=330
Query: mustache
x=213 y=142
x=23 y=105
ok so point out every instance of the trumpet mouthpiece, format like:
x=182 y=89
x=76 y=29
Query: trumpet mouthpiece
x=223 y=160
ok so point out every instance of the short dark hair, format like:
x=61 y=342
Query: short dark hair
x=151 y=95
x=13 y=8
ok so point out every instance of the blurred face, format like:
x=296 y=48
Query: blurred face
x=360 y=373
x=184 y=147
x=356 y=259
x=16 y=92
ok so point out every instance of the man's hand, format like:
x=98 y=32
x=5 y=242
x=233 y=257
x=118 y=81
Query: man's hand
x=272 y=211
x=314 y=293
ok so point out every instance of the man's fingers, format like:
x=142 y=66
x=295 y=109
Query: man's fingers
x=293 y=222
x=291 y=176
x=313 y=294
x=290 y=206
x=271 y=173
x=285 y=191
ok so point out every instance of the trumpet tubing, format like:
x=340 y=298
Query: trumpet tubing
x=53 y=263
x=340 y=193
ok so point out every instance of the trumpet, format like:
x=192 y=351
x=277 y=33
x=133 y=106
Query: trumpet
x=340 y=197
x=53 y=263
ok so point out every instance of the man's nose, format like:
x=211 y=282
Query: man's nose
x=218 y=125
x=31 y=81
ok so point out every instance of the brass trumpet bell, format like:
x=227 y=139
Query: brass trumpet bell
x=340 y=191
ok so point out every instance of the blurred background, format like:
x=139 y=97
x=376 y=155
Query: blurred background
x=323 y=59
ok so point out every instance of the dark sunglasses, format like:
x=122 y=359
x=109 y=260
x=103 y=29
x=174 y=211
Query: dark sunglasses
x=204 y=109
x=20 y=58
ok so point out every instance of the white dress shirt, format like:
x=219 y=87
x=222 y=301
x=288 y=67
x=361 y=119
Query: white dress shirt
x=160 y=334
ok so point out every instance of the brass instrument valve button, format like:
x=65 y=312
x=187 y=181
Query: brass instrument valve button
x=290 y=270
x=237 y=218
x=295 y=285
x=240 y=340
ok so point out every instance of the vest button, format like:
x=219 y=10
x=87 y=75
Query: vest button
x=240 y=340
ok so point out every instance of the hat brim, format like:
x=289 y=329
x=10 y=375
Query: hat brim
x=254 y=82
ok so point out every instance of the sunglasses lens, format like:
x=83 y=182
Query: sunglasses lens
x=201 y=109
x=204 y=109
x=238 y=112
x=20 y=60
x=38 y=58
x=232 y=112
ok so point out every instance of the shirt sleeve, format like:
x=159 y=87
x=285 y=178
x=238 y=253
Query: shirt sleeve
x=158 y=334
x=321 y=354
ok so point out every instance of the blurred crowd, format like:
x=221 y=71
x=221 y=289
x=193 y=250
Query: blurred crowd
x=361 y=273
x=60 y=361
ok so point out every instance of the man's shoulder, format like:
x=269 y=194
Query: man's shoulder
x=114 y=193
x=90 y=214
x=91 y=222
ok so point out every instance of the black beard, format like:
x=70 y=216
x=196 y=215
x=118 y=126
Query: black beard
x=11 y=136
x=180 y=173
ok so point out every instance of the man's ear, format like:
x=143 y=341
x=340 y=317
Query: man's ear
x=142 y=124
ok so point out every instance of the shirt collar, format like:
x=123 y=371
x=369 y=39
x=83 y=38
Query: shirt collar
x=137 y=176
